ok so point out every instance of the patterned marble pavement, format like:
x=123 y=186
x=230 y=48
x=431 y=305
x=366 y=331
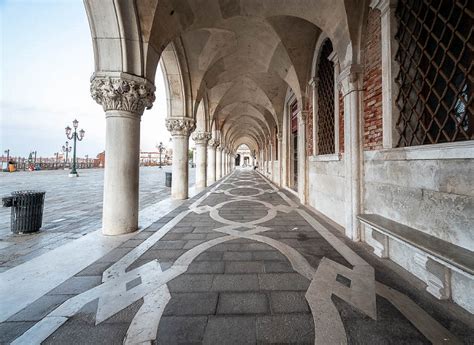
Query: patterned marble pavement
x=241 y=263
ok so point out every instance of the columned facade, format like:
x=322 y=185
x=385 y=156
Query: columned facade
x=124 y=98
x=200 y=140
x=180 y=129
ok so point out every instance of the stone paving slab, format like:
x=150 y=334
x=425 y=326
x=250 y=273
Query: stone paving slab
x=251 y=274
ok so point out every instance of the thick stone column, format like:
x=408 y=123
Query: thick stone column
x=302 y=155
x=124 y=98
x=218 y=163
x=351 y=83
x=180 y=129
x=201 y=139
x=211 y=161
x=280 y=160
x=223 y=161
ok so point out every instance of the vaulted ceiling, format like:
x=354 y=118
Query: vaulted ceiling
x=240 y=58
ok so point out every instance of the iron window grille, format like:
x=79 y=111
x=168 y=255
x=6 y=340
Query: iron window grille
x=325 y=77
x=435 y=76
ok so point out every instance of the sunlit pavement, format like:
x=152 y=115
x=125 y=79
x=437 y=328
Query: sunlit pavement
x=73 y=207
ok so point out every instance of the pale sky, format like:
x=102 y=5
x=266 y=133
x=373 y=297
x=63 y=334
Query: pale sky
x=46 y=61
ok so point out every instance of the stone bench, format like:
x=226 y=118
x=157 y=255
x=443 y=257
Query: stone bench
x=433 y=258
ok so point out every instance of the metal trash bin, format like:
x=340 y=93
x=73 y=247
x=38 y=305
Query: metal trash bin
x=168 y=179
x=27 y=210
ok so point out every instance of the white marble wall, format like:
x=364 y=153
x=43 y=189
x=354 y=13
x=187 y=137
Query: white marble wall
x=435 y=196
x=326 y=188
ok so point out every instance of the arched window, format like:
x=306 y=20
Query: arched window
x=436 y=76
x=325 y=89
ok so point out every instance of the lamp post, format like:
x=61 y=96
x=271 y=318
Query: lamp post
x=160 y=149
x=7 y=152
x=87 y=161
x=66 y=149
x=74 y=136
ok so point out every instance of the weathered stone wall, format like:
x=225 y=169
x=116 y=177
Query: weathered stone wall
x=326 y=188
x=430 y=189
x=373 y=83
x=433 y=195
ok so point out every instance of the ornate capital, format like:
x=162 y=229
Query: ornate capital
x=313 y=82
x=350 y=79
x=213 y=143
x=303 y=116
x=279 y=136
x=201 y=137
x=182 y=126
x=122 y=91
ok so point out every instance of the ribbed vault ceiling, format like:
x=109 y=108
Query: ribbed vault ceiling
x=239 y=57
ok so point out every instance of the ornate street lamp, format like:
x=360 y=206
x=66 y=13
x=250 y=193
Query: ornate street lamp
x=76 y=136
x=160 y=149
x=66 y=149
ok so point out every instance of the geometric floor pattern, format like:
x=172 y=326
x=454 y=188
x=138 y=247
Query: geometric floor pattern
x=241 y=263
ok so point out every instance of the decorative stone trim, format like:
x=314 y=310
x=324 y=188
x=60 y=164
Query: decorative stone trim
x=332 y=157
x=457 y=150
x=122 y=91
x=201 y=138
x=182 y=126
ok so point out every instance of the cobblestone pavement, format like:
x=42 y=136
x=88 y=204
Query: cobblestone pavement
x=73 y=208
x=240 y=263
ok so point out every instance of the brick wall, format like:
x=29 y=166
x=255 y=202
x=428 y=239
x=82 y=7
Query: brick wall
x=373 y=84
x=309 y=131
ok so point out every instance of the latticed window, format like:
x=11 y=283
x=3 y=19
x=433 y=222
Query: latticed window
x=325 y=77
x=435 y=78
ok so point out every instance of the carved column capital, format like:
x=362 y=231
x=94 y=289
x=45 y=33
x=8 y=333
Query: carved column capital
x=350 y=79
x=182 y=126
x=279 y=136
x=303 y=116
x=213 y=143
x=122 y=91
x=201 y=138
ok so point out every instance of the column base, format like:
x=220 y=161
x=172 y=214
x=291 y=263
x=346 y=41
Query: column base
x=73 y=175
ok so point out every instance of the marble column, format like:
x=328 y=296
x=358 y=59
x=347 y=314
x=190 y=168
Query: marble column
x=124 y=98
x=180 y=129
x=272 y=162
x=223 y=161
x=303 y=115
x=280 y=160
x=201 y=139
x=211 y=161
x=351 y=83
x=226 y=163
x=218 y=163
